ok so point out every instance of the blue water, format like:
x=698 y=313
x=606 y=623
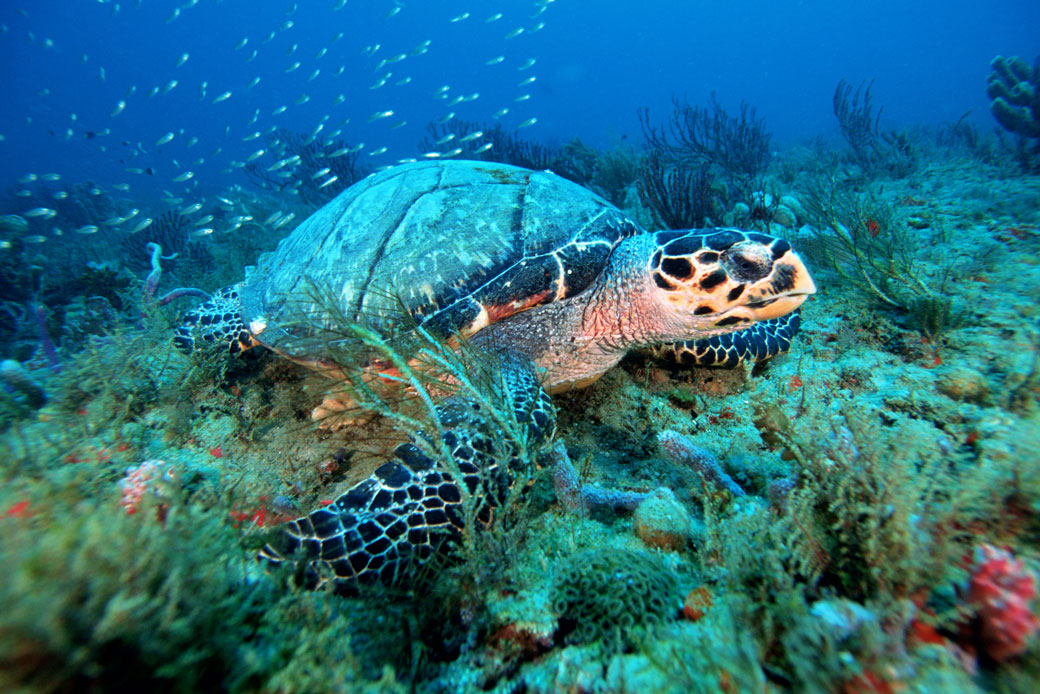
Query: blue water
x=597 y=62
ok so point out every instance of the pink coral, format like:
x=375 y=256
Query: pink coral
x=147 y=478
x=1002 y=590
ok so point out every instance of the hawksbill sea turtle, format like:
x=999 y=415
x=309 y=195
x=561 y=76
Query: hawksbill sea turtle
x=555 y=280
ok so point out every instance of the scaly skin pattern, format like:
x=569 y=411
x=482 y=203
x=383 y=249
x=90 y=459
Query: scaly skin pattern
x=411 y=507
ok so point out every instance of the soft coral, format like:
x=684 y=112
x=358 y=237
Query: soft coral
x=1002 y=590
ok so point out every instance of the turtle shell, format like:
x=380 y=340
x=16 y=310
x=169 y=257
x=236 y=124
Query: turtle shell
x=457 y=245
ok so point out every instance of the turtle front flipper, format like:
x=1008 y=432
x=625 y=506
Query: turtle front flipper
x=761 y=341
x=412 y=506
x=217 y=320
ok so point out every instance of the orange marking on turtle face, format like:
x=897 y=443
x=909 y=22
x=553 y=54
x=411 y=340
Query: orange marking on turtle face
x=497 y=313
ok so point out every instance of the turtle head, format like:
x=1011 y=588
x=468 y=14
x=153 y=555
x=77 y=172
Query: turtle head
x=711 y=281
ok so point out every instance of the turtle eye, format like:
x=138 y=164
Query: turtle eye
x=748 y=264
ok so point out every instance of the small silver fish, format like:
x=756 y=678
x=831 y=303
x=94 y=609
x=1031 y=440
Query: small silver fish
x=529 y=80
x=314 y=75
x=522 y=97
x=302 y=99
x=379 y=115
x=183 y=177
x=164 y=139
x=328 y=182
x=446 y=139
x=402 y=82
x=223 y=97
x=253 y=82
x=280 y=109
x=87 y=229
x=183 y=59
x=528 y=122
x=142 y=225
x=483 y=148
x=527 y=63
x=472 y=136
x=35 y=238
x=493 y=18
x=339 y=152
x=496 y=60
x=459 y=18
x=242 y=43
x=50 y=177
x=205 y=220
x=514 y=33
x=199 y=233
x=169 y=86
x=447 y=118
x=44 y=212
x=500 y=112
x=377 y=152
x=122 y=186
x=256 y=155
x=294 y=67
x=118 y=109
x=61 y=195
x=192 y=209
x=319 y=174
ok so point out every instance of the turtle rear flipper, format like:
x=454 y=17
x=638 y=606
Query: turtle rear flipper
x=375 y=532
x=412 y=507
x=218 y=320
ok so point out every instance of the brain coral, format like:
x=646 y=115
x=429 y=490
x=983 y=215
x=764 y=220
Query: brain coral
x=611 y=597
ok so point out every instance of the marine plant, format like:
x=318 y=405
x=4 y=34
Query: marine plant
x=736 y=146
x=1014 y=87
x=860 y=237
x=613 y=598
x=891 y=152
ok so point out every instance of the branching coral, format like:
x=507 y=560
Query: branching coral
x=682 y=196
x=873 y=150
x=737 y=146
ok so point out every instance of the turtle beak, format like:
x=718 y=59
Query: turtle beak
x=793 y=284
x=784 y=290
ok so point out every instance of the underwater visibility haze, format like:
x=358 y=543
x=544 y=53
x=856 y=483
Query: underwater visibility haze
x=520 y=345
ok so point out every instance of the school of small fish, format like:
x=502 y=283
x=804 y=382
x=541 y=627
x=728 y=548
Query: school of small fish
x=321 y=72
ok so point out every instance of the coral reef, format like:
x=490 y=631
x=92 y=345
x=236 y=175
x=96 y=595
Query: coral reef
x=18 y=382
x=1014 y=87
x=661 y=522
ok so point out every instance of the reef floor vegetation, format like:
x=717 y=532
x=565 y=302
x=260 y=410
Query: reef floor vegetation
x=859 y=515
